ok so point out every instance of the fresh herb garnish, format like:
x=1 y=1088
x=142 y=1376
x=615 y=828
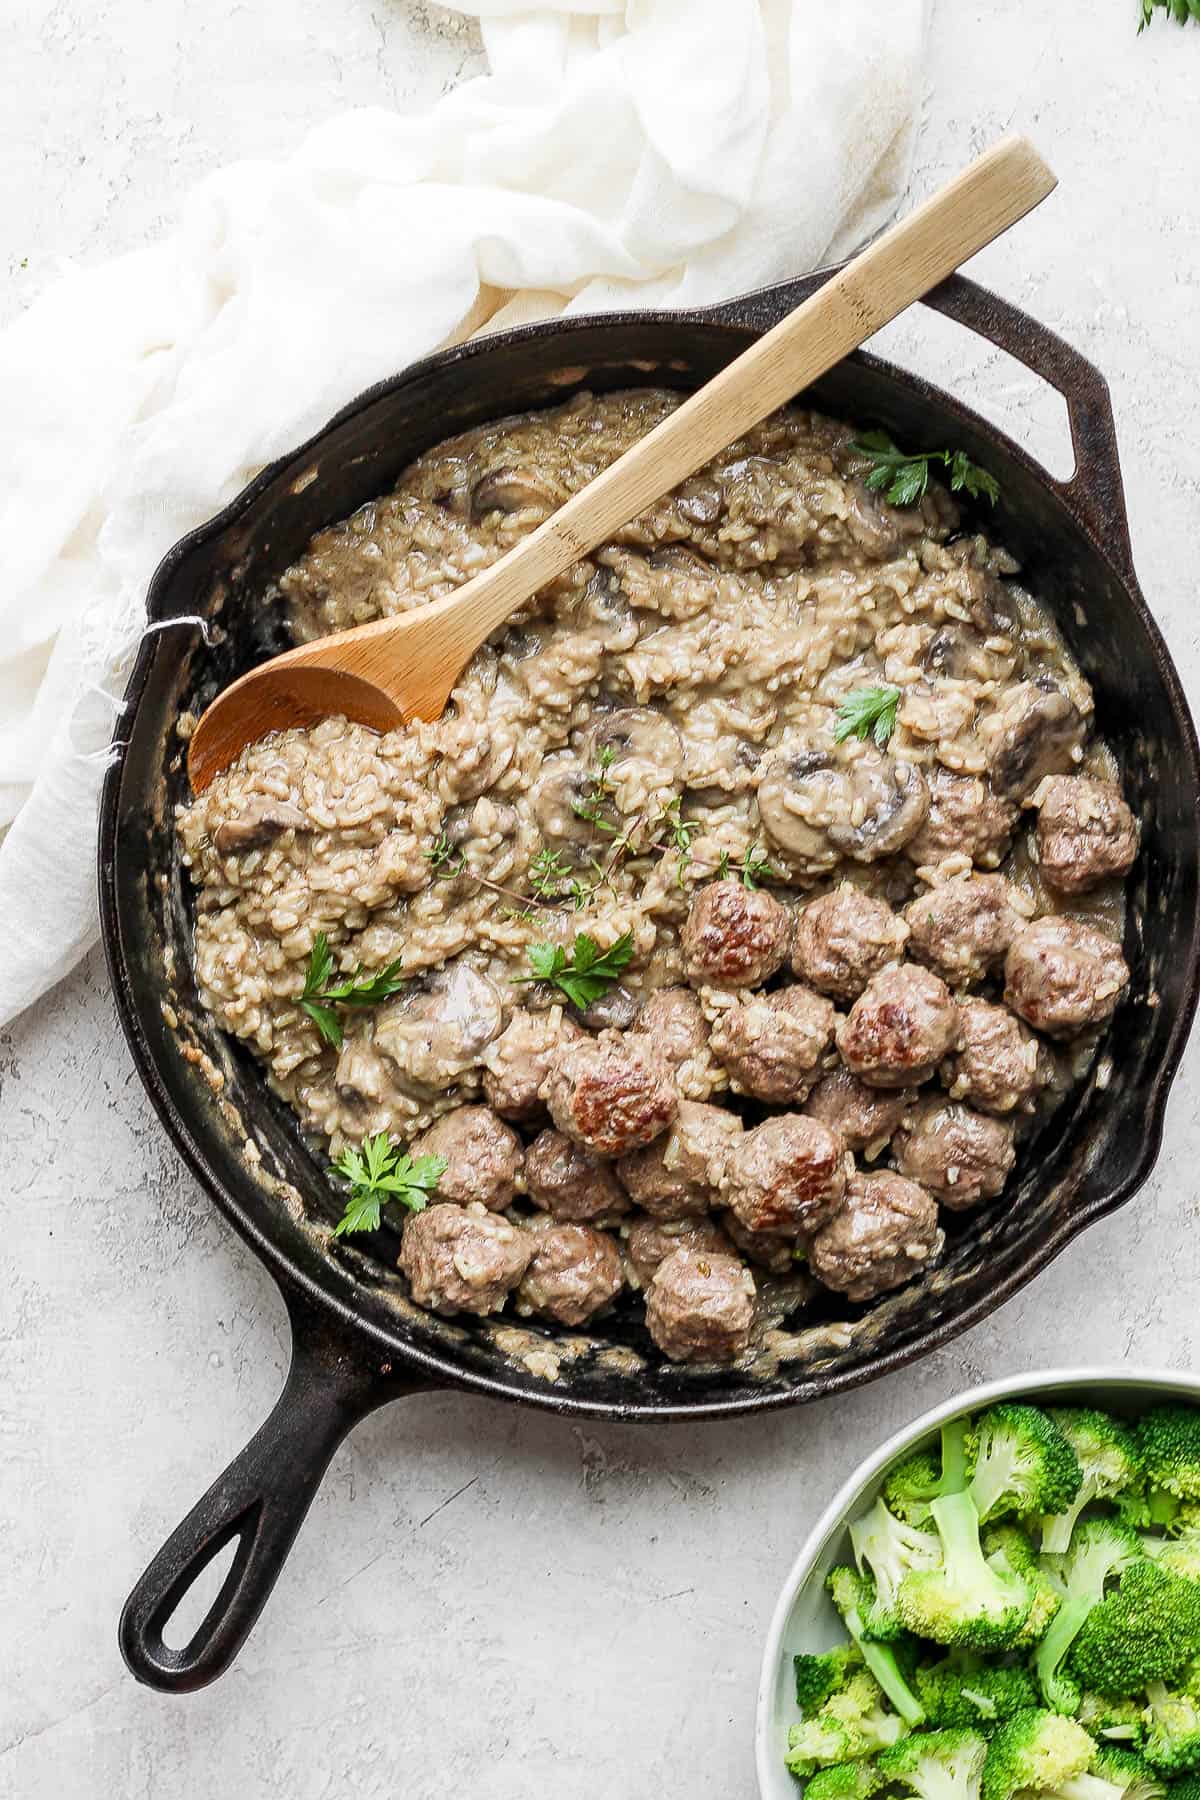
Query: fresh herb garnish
x=906 y=477
x=321 y=996
x=755 y=868
x=1179 y=10
x=548 y=874
x=378 y=1172
x=868 y=712
x=584 y=975
x=444 y=860
x=680 y=831
x=599 y=793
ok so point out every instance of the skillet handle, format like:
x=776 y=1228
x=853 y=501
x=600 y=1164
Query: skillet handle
x=260 y=1500
x=1096 y=491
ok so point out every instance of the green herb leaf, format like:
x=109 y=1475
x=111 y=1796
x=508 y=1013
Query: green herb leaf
x=583 y=976
x=1179 y=10
x=379 y=1172
x=320 y=996
x=755 y=868
x=868 y=712
x=548 y=874
x=903 y=479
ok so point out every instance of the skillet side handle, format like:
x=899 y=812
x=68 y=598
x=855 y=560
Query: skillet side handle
x=260 y=1501
x=1096 y=491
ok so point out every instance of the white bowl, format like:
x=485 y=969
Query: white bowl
x=804 y=1618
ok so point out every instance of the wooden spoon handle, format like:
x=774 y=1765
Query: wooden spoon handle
x=1003 y=185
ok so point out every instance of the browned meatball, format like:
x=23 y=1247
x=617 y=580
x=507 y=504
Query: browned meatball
x=787 y=1175
x=574 y=1273
x=519 y=1060
x=1062 y=976
x=998 y=1065
x=673 y=1024
x=649 y=1242
x=900 y=1027
x=483 y=1157
x=1085 y=832
x=677 y=1177
x=570 y=1183
x=772 y=1044
x=735 y=936
x=961 y=1155
x=772 y=1252
x=843 y=938
x=610 y=1093
x=463 y=1258
x=700 y=1307
x=1036 y=730
x=966 y=816
x=963 y=927
x=864 y=1116
x=885 y=1232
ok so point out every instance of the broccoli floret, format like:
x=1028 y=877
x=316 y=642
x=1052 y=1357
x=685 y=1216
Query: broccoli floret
x=853 y=1595
x=818 y=1676
x=845 y=1781
x=1112 y=1721
x=1101 y=1550
x=1132 y=1774
x=1169 y=1442
x=1173 y=1730
x=953 y=1695
x=937 y=1765
x=1007 y=1548
x=1186 y=1788
x=1145 y=1631
x=1146 y=1507
x=965 y=1601
x=1180 y=1553
x=890 y=1549
x=852 y=1723
x=1038 y=1750
x=1108 y=1457
x=924 y=1477
x=1023 y=1464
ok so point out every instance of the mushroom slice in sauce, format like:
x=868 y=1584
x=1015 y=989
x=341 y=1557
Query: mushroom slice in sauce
x=436 y=1033
x=818 y=806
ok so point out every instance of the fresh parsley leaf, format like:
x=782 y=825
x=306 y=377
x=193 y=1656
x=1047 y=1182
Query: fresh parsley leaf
x=379 y=1172
x=868 y=712
x=320 y=996
x=1179 y=10
x=584 y=975
x=903 y=478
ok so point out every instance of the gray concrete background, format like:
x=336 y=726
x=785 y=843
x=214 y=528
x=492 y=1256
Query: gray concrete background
x=484 y=1600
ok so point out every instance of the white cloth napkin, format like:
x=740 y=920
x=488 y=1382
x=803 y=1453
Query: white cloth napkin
x=619 y=152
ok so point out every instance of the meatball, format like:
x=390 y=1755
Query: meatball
x=999 y=1065
x=570 y=1183
x=1036 y=730
x=735 y=936
x=649 y=1242
x=771 y=1251
x=844 y=938
x=519 y=1060
x=610 y=1093
x=463 y=1258
x=885 y=1232
x=772 y=1044
x=864 y=1116
x=1085 y=832
x=677 y=1177
x=483 y=1157
x=1062 y=976
x=673 y=1023
x=961 y=1155
x=574 y=1273
x=967 y=817
x=700 y=1307
x=963 y=927
x=786 y=1176
x=900 y=1027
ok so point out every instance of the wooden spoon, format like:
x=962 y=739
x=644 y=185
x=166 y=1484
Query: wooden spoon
x=404 y=668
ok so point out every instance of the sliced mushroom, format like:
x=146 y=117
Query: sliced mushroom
x=700 y=500
x=510 y=490
x=261 y=818
x=818 y=806
x=487 y=822
x=435 y=1033
x=566 y=786
x=604 y=606
x=638 y=734
x=617 y=1008
x=1036 y=731
x=959 y=654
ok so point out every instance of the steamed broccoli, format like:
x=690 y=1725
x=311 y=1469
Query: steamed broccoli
x=1179 y=1553
x=1143 y=1507
x=1038 y=1750
x=1168 y=1440
x=1132 y=1774
x=1023 y=1464
x=1108 y=1457
x=925 y=1477
x=818 y=1676
x=1186 y=1788
x=845 y=1781
x=890 y=1549
x=852 y=1723
x=964 y=1601
x=853 y=1595
x=1007 y=1548
x=937 y=1765
x=1101 y=1550
x=1112 y=1721
x=1145 y=1631
x=953 y=1694
x=1173 y=1735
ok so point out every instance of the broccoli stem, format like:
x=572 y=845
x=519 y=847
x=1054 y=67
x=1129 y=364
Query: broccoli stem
x=1064 y=1628
x=954 y=1458
x=881 y=1661
x=958 y=1527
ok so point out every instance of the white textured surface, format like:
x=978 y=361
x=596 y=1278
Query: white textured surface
x=584 y=1618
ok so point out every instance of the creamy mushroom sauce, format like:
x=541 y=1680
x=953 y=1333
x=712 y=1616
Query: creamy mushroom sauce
x=706 y=650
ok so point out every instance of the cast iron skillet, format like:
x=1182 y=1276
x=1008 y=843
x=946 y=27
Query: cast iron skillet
x=357 y=1343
